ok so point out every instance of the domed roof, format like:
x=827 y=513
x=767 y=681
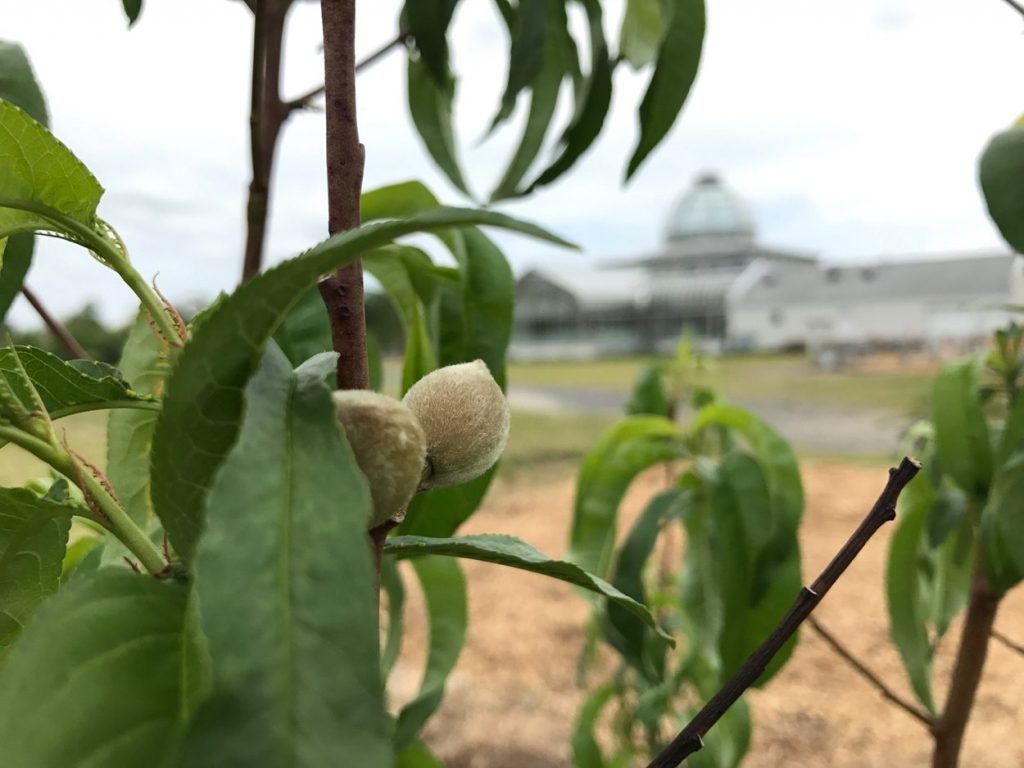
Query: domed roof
x=709 y=208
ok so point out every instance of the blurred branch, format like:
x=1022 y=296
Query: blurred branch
x=57 y=328
x=1011 y=644
x=1016 y=6
x=266 y=116
x=907 y=706
x=690 y=739
x=303 y=101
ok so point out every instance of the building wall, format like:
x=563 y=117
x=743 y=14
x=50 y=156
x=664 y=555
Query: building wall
x=930 y=321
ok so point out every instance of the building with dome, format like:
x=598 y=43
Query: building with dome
x=644 y=303
x=714 y=279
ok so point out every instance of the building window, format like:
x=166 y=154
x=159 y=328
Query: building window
x=832 y=274
x=776 y=317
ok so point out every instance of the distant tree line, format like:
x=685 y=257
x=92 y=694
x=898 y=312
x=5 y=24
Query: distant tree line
x=104 y=343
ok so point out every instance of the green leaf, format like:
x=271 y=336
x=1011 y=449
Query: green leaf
x=1003 y=525
x=41 y=181
x=629 y=637
x=427 y=22
x=905 y=592
x=430 y=106
x=961 y=433
x=628 y=448
x=516 y=553
x=132 y=9
x=591 y=108
x=388 y=264
x=543 y=99
x=18 y=83
x=15 y=260
x=146 y=362
x=294 y=644
x=643 y=26
x=33 y=537
x=442 y=511
x=306 y=329
x=69 y=388
x=648 y=395
x=416 y=755
x=674 y=73
x=444 y=592
x=526 y=57
x=755 y=590
x=487 y=298
x=114 y=661
x=1001 y=173
x=203 y=404
x=586 y=752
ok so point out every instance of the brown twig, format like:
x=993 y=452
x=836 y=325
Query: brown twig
x=56 y=327
x=304 y=101
x=690 y=739
x=907 y=706
x=343 y=292
x=1011 y=644
x=970 y=661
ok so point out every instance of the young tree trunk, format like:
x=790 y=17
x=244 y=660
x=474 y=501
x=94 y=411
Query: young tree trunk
x=343 y=293
x=970 y=661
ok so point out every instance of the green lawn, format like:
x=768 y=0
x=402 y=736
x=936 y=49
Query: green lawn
x=784 y=379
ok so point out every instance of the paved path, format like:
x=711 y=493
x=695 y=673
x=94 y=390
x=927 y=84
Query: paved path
x=811 y=428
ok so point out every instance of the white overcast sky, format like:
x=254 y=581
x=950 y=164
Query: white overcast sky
x=852 y=128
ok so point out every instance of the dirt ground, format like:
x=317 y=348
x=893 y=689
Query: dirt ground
x=512 y=700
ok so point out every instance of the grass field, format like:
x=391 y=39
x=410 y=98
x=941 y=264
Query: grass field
x=788 y=379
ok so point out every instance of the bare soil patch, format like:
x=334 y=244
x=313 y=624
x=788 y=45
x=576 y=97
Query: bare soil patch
x=513 y=698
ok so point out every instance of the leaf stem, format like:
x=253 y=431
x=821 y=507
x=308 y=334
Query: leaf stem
x=106 y=252
x=57 y=328
x=116 y=520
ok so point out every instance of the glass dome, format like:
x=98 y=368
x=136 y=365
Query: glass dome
x=709 y=208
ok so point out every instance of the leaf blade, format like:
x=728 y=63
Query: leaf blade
x=516 y=553
x=674 y=74
x=286 y=650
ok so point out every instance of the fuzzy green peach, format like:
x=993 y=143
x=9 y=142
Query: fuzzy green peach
x=465 y=418
x=389 y=446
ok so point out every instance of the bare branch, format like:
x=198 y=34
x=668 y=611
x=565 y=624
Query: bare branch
x=907 y=706
x=57 y=328
x=690 y=739
x=1016 y=6
x=305 y=100
x=1011 y=644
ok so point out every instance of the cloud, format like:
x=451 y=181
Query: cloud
x=852 y=129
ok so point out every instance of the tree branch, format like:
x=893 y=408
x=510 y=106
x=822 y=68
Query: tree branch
x=1011 y=644
x=1016 y=6
x=343 y=292
x=266 y=116
x=57 y=328
x=690 y=739
x=907 y=706
x=303 y=101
